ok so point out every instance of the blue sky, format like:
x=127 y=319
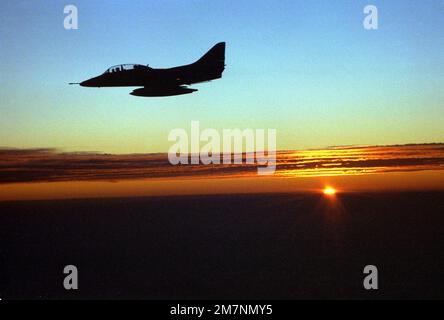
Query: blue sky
x=307 y=68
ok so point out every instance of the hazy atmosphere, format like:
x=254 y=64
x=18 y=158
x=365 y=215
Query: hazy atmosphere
x=307 y=68
x=175 y=150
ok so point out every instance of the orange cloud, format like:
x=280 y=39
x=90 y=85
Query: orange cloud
x=48 y=165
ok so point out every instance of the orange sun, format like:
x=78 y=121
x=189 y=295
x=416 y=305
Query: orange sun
x=329 y=191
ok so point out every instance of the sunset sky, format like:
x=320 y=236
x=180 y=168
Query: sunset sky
x=50 y=174
x=305 y=68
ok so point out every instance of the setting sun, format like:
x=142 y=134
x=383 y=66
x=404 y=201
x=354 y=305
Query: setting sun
x=329 y=191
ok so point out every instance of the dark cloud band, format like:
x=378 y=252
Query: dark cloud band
x=47 y=165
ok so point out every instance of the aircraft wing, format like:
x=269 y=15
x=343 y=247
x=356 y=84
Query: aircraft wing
x=162 y=91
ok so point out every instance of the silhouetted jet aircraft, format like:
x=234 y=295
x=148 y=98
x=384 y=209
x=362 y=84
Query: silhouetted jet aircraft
x=163 y=82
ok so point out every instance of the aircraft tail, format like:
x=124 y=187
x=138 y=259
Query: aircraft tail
x=215 y=56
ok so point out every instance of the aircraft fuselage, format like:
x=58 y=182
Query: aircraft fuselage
x=163 y=82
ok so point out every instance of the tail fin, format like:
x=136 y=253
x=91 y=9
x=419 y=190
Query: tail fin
x=215 y=56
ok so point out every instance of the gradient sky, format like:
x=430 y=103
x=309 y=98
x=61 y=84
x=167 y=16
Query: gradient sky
x=307 y=68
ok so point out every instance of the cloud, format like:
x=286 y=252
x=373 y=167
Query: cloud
x=50 y=165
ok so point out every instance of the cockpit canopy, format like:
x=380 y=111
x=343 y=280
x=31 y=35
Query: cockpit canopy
x=126 y=67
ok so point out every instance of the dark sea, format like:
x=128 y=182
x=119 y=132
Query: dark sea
x=259 y=246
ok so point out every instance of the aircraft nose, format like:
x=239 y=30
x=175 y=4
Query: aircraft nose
x=93 y=82
x=87 y=83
